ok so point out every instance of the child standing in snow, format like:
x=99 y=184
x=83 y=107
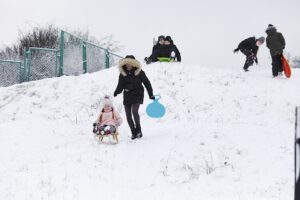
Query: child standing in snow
x=249 y=48
x=108 y=120
x=276 y=44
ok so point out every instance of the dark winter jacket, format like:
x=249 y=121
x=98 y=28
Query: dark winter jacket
x=275 y=41
x=177 y=53
x=165 y=51
x=155 y=51
x=250 y=44
x=130 y=81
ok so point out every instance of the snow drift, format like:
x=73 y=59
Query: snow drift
x=226 y=135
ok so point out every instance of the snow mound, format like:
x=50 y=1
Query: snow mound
x=226 y=134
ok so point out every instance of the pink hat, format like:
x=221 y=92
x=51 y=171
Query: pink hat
x=107 y=101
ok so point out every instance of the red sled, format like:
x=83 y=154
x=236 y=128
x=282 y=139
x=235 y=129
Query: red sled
x=286 y=67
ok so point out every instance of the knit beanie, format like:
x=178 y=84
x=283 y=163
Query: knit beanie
x=261 y=39
x=161 y=37
x=168 y=38
x=107 y=101
x=270 y=27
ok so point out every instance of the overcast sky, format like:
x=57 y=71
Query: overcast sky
x=204 y=31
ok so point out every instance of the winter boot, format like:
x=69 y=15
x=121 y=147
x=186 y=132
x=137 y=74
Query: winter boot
x=139 y=133
x=148 y=60
x=133 y=134
x=107 y=130
x=173 y=56
x=95 y=128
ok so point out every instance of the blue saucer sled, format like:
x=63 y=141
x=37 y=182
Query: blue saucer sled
x=156 y=109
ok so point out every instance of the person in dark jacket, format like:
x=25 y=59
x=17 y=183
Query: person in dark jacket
x=164 y=49
x=276 y=44
x=249 y=47
x=173 y=48
x=130 y=83
x=155 y=50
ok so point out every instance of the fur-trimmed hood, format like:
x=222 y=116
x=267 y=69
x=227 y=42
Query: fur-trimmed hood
x=129 y=61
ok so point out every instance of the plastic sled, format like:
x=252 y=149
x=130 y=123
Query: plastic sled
x=156 y=109
x=165 y=59
x=286 y=67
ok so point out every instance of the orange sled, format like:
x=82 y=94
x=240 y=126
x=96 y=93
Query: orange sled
x=286 y=67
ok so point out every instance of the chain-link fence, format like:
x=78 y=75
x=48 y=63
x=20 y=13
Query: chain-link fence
x=113 y=59
x=95 y=58
x=41 y=63
x=78 y=56
x=11 y=72
x=75 y=56
x=71 y=55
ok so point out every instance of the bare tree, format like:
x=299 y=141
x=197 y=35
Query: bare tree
x=48 y=37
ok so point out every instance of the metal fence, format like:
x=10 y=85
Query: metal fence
x=11 y=72
x=41 y=63
x=78 y=56
x=74 y=57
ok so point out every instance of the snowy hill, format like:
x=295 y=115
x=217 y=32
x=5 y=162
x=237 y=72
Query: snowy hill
x=227 y=135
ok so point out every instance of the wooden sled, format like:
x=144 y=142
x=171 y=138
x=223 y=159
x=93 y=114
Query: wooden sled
x=113 y=135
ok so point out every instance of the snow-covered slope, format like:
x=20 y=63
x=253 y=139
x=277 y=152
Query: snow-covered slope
x=226 y=135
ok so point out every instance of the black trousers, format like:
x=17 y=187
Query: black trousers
x=276 y=64
x=249 y=58
x=133 y=110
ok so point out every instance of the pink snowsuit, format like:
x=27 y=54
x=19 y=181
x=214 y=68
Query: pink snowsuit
x=109 y=117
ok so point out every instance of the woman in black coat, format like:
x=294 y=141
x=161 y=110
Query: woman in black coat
x=130 y=83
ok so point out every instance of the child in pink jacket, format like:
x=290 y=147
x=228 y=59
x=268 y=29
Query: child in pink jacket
x=108 y=120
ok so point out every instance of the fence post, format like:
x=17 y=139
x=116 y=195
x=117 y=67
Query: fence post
x=297 y=157
x=84 y=61
x=28 y=64
x=106 y=58
x=61 y=55
x=24 y=64
x=56 y=63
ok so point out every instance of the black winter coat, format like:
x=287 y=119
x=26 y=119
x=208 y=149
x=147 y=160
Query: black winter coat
x=155 y=51
x=132 y=86
x=275 y=42
x=250 y=44
x=164 y=51
x=177 y=53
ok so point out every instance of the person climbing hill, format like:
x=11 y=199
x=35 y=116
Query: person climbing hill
x=249 y=48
